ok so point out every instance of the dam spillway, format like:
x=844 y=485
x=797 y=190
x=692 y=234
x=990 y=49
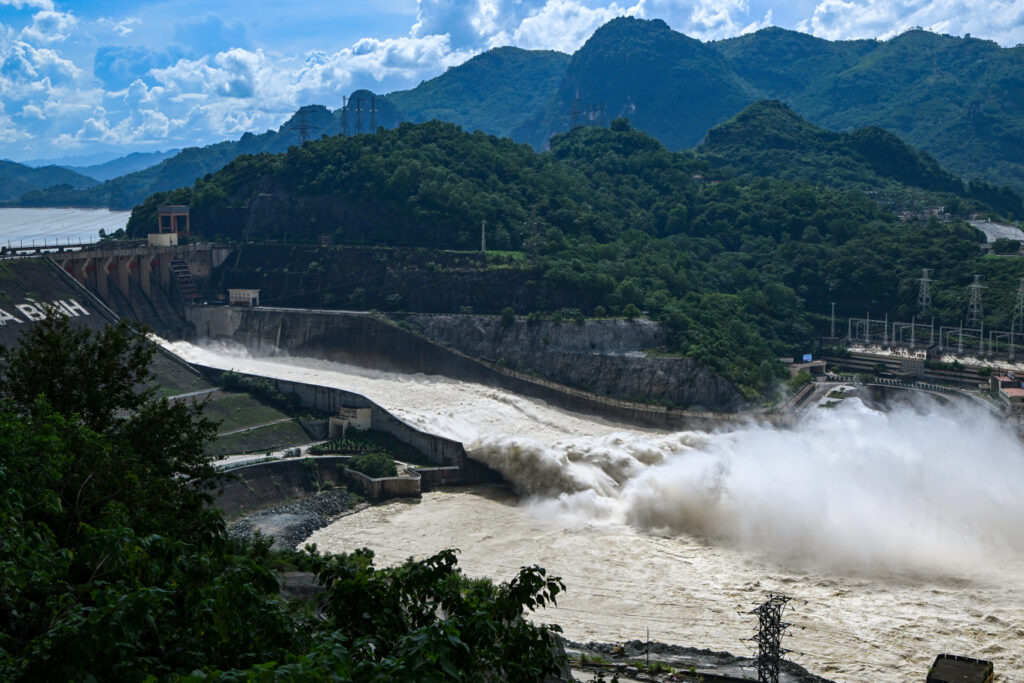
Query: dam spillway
x=900 y=529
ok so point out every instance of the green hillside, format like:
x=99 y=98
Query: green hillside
x=959 y=99
x=493 y=92
x=741 y=268
x=769 y=139
x=668 y=85
x=16 y=179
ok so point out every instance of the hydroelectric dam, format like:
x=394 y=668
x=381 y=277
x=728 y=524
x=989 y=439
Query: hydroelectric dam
x=898 y=531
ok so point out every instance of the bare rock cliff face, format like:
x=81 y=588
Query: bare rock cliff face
x=606 y=357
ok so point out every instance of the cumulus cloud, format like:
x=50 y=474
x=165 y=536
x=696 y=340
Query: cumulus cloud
x=36 y=4
x=25 y=65
x=49 y=27
x=565 y=25
x=999 y=20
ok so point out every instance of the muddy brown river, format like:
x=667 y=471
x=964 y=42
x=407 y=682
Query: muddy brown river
x=898 y=535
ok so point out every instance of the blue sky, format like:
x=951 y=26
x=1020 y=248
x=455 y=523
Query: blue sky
x=111 y=76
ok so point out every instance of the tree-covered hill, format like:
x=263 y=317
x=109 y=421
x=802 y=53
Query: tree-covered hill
x=769 y=139
x=16 y=179
x=493 y=92
x=669 y=85
x=960 y=99
x=740 y=267
x=183 y=168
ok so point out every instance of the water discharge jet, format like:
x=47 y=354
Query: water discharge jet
x=903 y=528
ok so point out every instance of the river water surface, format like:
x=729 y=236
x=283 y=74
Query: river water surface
x=25 y=227
x=899 y=535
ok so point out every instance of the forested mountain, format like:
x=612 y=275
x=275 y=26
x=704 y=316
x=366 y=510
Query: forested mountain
x=16 y=179
x=770 y=139
x=493 y=92
x=961 y=100
x=668 y=85
x=741 y=268
x=186 y=166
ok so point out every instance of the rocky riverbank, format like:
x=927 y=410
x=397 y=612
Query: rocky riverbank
x=292 y=523
x=689 y=659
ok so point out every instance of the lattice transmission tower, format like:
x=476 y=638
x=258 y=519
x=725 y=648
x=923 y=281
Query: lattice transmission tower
x=924 y=294
x=303 y=126
x=974 y=316
x=1017 y=325
x=770 y=629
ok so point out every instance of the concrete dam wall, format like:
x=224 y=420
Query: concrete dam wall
x=452 y=465
x=362 y=339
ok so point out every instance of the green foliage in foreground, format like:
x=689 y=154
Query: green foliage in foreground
x=114 y=567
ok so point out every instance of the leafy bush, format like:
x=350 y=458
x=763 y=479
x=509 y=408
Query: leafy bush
x=376 y=465
x=508 y=316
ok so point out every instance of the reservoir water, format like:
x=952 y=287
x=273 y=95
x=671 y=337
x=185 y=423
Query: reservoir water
x=899 y=535
x=57 y=226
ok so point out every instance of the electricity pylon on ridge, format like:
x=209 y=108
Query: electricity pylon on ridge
x=303 y=126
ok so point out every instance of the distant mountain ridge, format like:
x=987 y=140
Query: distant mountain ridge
x=17 y=179
x=961 y=100
x=493 y=92
x=120 y=166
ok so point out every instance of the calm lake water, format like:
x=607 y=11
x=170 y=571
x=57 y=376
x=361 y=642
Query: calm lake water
x=57 y=226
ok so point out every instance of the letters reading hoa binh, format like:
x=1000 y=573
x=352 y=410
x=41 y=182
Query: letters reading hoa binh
x=34 y=311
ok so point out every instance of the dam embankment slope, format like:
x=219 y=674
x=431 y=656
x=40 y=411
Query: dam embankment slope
x=363 y=339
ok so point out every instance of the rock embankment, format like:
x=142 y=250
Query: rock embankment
x=702 y=661
x=293 y=522
x=606 y=357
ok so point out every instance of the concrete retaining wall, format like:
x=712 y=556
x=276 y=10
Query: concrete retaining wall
x=359 y=338
x=263 y=485
x=445 y=453
x=254 y=487
x=386 y=487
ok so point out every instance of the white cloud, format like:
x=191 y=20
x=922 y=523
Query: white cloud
x=49 y=27
x=123 y=28
x=37 y=4
x=58 y=88
x=999 y=20
x=565 y=25
x=25 y=67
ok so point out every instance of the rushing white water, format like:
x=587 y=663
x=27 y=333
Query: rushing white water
x=904 y=531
